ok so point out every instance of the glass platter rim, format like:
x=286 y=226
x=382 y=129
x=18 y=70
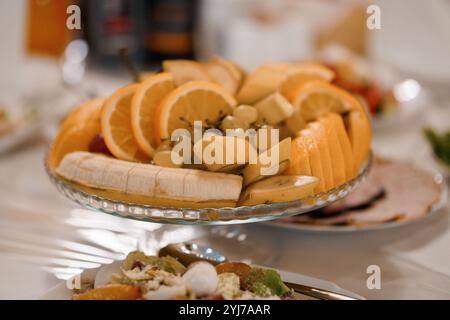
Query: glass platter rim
x=88 y=200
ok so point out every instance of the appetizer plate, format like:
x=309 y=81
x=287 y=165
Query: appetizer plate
x=61 y=292
x=207 y=216
x=432 y=211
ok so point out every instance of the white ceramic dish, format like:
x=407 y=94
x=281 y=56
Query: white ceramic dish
x=61 y=292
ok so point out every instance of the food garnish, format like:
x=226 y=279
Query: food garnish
x=143 y=277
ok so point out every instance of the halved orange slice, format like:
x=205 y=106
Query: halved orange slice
x=116 y=125
x=317 y=98
x=301 y=74
x=77 y=131
x=146 y=98
x=193 y=101
x=87 y=111
x=185 y=70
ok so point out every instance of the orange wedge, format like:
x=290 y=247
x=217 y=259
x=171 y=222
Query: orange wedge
x=360 y=134
x=336 y=153
x=192 y=101
x=186 y=70
x=314 y=158
x=116 y=125
x=299 y=160
x=301 y=74
x=147 y=97
x=344 y=142
x=317 y=98
x=322 y=143
x=76 y=131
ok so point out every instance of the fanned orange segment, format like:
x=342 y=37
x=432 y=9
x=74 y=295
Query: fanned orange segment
x=317 y=98
x=301 y=74
x=194 y=101
x=186 y=70
x=314 y=159
x=299 y=160
x=76 y=131
x=344 y=142
x=322 y=143
x=261 y=82
x=336 y=153
x=359 y=132
x=116 y=125
x=147 y=97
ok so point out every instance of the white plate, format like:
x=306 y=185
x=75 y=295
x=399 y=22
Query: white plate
x=61 y=292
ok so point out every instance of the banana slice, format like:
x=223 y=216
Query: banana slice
x=279 y=189
x=274 y=109
x=265 y=167
x=296 y=122
x=163 y=158
x=149 y=184
x=224 y=153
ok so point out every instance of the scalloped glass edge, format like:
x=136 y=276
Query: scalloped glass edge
x=208 y=216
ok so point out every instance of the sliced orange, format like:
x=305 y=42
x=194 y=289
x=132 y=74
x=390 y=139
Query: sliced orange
x=146 y=98
x=336 y=153
x=116 y=125
x=224 y=73
x=322 y=143
x=344 y=142
x=317 y=98
x=77 y=131
x=112 y=292
x=301 y=74
x=185 y=70
x=261 y=82
x=193 y=101
x=360 y=134
x=299 y=160
x=314 y=158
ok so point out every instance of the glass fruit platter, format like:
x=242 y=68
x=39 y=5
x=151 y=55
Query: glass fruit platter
x=207 y=216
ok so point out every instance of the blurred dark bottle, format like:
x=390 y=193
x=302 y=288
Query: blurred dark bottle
x=169 y=29
x=111 y=25
x=152 y=30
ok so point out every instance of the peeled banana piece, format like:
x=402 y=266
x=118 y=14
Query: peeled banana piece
x=149 y=184
x=274 y=109
x=265 y=168
x=279 y=189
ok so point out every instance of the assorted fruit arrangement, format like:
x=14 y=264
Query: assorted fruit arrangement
x=120 y=147
x=142 y=277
